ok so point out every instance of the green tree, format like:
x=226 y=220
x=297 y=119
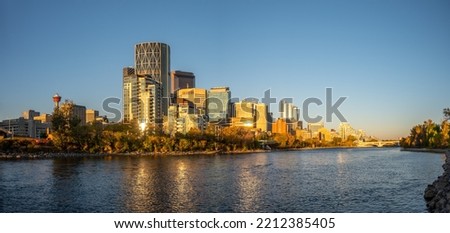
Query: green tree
x=428 y=135
x=64 y=124
x=446 y=113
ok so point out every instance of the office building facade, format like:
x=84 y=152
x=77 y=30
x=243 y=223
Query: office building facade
x=142 y=99
x=219 y=104
x=196 y=96
x=32 y=124
x=181 y=80
x=91 y=115
x=263 y=121
x=149 y=108
x=251 y=114
x=291 y=114
x=152 y=60
x=130 y=95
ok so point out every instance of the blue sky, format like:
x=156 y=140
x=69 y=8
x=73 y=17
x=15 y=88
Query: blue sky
x=391 y=59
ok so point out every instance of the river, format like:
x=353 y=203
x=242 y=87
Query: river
x=310 y=181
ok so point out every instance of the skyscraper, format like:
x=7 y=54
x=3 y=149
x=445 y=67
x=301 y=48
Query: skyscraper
x=141 y=98
x=251 y=114
x=149 y=102
x=130 y=95
x=152 y=59
x=180 y=80
x=218 y=104
x=79 y=112
x=288 y=111
x=263 y=117
x=346 y=130
x=245 y=114
x=196 y=96
x=291 y=114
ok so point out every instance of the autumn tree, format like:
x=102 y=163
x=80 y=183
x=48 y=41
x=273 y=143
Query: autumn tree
x=64 y=123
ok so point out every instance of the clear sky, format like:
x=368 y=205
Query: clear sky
x=391 y=59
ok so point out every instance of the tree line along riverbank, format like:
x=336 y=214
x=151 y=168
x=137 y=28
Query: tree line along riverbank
x=69 y=136
x=433 y=137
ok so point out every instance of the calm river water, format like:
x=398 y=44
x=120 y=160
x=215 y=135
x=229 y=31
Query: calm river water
x=332 y=180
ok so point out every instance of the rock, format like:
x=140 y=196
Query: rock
x=430 y=193
x=437 y=195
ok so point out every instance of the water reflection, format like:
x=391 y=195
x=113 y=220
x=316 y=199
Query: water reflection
x=249 y=186
x=138 y=182
x=24 y=186
x=372 y=180
x=183 y=192
x=65 y=184
x=343 y=179
x=83 y=185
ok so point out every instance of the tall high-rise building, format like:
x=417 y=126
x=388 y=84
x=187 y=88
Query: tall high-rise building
x=296 y=114
x=142 y=98
x=263 y=117
x=346 y=130
x=244 y=109
x=218 y=104
x=152 y=59
x=149 y=110
x=79 y=112
x=170 y=122
x=244 y=114
x=288 y=111
x=291 y=114
x=130 y=95
x=180 y=80
x=251 y=114
x=196 y=96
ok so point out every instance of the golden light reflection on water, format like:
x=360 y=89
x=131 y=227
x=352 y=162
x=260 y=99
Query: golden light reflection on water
x=342 y=179
x=181 y=197
x=155 y=186
x=323 y=181
x=341 y=158
x=250 y=183
x=140 y=181
x=341 y=163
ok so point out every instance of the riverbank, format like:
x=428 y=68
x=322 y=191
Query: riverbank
x=437 y=195
x=56 y=155
x=439 y=151
x=47 y=155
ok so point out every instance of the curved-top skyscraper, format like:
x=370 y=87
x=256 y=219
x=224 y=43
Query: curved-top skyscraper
x=153 y=59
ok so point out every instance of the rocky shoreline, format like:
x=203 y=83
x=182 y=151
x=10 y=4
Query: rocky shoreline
x=58 y=155
x=47 y=155
x=437 y=195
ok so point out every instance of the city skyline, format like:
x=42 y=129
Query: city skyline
x=391 y=60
